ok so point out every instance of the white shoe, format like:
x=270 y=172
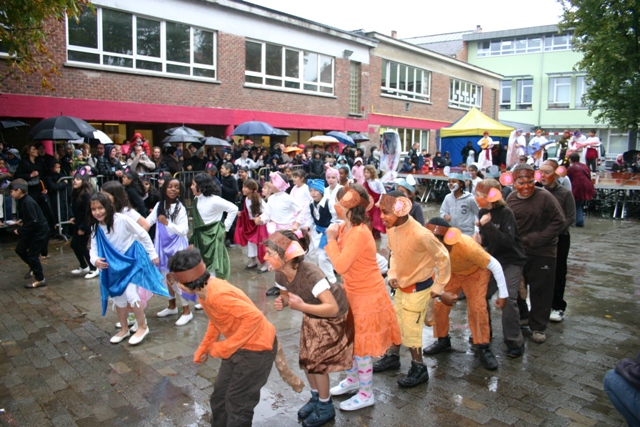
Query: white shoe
x=198 y=306
x=80 y=270
x=184 y=319
x=116 y=339
x=357 y=402
x=137 y=340
x=92 y=274
x=130 y=323
x=167 y=312
x=344 y=387
x=556 y=315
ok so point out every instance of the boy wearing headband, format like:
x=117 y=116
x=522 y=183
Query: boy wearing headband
x=247 y=350
x=415 y=254
x=321 y=215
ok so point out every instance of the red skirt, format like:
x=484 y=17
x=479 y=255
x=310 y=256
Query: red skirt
x=247 y=231
x=374 y=212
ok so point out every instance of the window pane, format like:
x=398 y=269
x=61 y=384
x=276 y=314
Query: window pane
x=178 y=69
x=91 y=58
x=274 y=60
x=253 y=79
x=178 y=43
x=580 y=90
x=292 y=85
x=310 y=68
x=118 y=61
x=311 y=87
x=324 y=89
x=326 y=70
x=393 y=75
x=505 y=92
x=403 y=77
x=253 y=57
x=117 y=32
x=149 y=65
x=202 y=72
x=274 y=82
x=85 y=32
x=292 y=66
x=148 y=37
x=385 y=66
x=202 y=47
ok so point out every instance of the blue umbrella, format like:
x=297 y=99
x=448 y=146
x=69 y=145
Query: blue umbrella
x=342 y=137
x=254 y=128
x=280 y=132
x=359 y=137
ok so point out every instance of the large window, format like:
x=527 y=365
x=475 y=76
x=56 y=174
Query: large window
x=505 y=94
x=275 y=66
x=410 y=136
x=581 y=89
x=524 y=94
x=533 y=44
x=559 y=92
x=125 y=41
x=464 y=94
x=405 y=81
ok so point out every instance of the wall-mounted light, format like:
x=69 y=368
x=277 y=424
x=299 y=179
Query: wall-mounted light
x=407 y=106
x=346 y=54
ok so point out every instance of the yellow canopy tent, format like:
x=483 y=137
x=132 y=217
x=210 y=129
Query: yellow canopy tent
x=476 y=123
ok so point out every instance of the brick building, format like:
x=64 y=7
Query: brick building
x=147 y=65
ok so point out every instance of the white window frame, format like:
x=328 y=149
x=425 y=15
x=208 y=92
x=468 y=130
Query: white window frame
x=554 y=43
x=135 y=56
x=329 y=88
x=555 y=85
x=416 y=135
x=522 y=45
x=395 y=92
x=503 y=85
x=520 y=90
x=464 y=94
x=581 y=89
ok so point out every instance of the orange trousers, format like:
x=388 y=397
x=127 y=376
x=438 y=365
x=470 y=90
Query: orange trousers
x=475 y=289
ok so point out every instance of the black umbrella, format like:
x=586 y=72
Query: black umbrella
x=630 y=156
x=254 y=128
x=183 y=130
x=8 y=124
x=212 y=141
x=66 y=123
x=174 y=139
x=359 y=137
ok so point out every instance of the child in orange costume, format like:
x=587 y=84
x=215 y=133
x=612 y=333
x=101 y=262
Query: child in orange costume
x=249 y=347
x=352 y=251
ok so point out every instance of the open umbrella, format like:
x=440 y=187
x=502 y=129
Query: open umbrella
x=174 y=139
x=183 y=130
x=280 y=132
x=8 y=124
x=100 y=137
x=359 y=137
x=341 y=137
x=49 y=128
x=254 y=128
x=212 y=141
x=323 y=139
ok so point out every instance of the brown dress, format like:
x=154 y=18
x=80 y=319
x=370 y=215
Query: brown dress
x=326 y=343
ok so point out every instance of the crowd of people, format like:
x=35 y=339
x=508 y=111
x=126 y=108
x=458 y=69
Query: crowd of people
x=316 y=227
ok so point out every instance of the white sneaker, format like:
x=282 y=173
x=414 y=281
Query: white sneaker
x=80 y=270
x=345 y=387
x=92 y=274
x=357 y=402
x=167 y=312
x=184 y=319
x=198 y=306
x=556 y=315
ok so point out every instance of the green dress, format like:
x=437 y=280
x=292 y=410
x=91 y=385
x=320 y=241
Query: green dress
x=209 y=240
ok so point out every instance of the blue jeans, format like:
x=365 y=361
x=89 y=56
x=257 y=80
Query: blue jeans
x=579 y=213
x=625 y=397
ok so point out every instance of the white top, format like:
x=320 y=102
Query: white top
x=376 y=185
x=181 y=225
x=131 y=213
x=211 y=209
x=303 y=198
x=318 y=288
x=577 y=146
x=330 y=195
x=247 y=206
x=249 y=163
x=125 y=231
x=282 y=209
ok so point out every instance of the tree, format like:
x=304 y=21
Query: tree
x=24 y=33
x=606 y=32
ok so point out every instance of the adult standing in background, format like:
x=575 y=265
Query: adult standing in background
x=139 y=161
x=516 y=147
x=581 y=185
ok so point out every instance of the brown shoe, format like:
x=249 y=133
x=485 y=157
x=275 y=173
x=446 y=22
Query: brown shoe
x=38 y=284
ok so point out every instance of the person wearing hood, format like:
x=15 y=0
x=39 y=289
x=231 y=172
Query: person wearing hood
x=438 y=161
x=138 y=139
x=374 y=158
x=170 y=161
x=358 y=171
x=459 y=207
x=408 y=166
x=316 y=166
x=112 y=163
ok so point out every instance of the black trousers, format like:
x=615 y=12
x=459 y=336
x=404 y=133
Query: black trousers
x=80 y=246
x=29 y=249
x=539 y=275
x=564 y=243
x=237 y=389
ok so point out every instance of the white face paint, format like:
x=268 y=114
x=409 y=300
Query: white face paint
x=454 y=187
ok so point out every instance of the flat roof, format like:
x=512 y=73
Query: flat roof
x=530 y=31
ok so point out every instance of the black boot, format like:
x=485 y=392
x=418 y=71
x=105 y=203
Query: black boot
x=309 y=407
x=443 y=344
x=273 y=292
x=388 y=361
x=487 y=357
x=323 y=413
x=418 y=374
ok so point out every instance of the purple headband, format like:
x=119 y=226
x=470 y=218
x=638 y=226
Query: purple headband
x=278 y=182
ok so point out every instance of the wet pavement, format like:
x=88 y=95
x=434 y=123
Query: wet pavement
x=57 y=367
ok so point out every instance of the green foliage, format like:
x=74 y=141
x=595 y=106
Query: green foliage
x=606 y=32
x=23 y=35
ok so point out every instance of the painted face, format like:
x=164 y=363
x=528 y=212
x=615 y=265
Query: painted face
x=472 y=172
x=481 y=200
x=194 y=189
x=274 y=259
x=341 y=212
x=454 y=185
x=173 y=189
x=98 y=211
x=77 y=183
x=547 y=174
x=388 y=218
x=524 y=185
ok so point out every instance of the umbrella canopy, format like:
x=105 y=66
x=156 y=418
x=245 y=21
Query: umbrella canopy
x=342 y=137
x=101 y=137
x=280 y=132
x=323 y=139
x=61 y=123
x=174 y=139
x=359 y=137
x=212 y=141
x=254 y=128
x=8 y=124
x=183 y=130
x=293 y=150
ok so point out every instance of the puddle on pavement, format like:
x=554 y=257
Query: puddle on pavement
x=271 y=404
x=492 y=385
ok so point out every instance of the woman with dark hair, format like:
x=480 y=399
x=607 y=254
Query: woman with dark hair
x=32 y=170
x=352 y=250
x=249 y=346
x=208 y=228
x=81 y=208
x=120 y=200
x=247 y=232
x=135 y=190
x=326 y=337
x=156 y=157
x=113 y=166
